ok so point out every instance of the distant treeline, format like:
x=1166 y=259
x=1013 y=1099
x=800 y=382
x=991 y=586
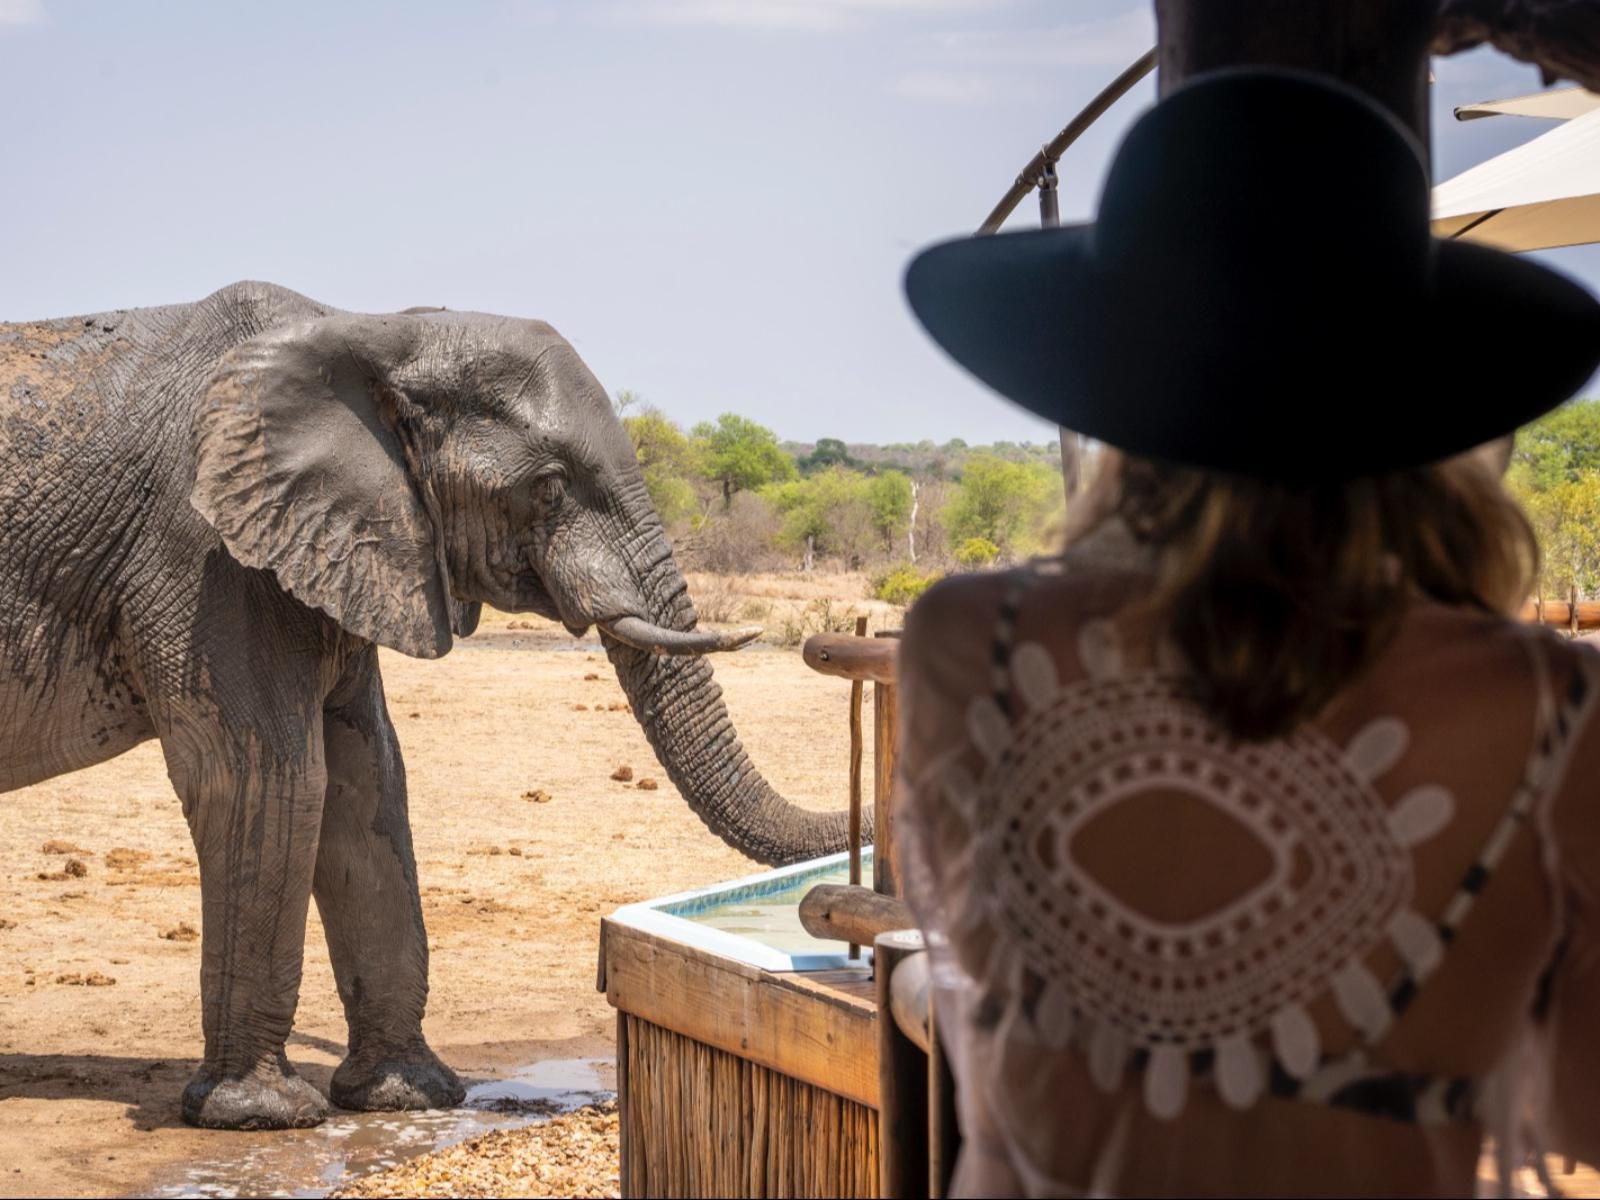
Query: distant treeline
x=735 y=499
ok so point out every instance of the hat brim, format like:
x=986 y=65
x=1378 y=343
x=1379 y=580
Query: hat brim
x=1301 y=386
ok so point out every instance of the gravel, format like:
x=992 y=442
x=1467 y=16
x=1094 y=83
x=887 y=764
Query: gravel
x=571 y=1155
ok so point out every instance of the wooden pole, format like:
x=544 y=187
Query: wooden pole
x=902 y=1082
x=885 y=719
x=856 y=749
x=1377 y=46
x=944 y=1130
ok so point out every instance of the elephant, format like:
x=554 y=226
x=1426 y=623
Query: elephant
x=212 y=514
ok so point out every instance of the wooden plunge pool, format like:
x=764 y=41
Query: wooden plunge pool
x=747 y=1051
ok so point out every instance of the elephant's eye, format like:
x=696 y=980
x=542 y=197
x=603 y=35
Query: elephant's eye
x=549 y=489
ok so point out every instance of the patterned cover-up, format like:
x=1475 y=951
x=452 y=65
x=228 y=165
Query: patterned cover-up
x=1271 y=967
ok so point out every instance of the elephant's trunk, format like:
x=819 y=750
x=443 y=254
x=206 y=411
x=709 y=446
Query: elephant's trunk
x=680 y=707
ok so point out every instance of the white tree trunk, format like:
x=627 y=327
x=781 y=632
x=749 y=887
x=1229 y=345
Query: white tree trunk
x=911 y=530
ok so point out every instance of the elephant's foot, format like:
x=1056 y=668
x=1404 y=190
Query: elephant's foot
x=269 y=1096
x=394 y=1079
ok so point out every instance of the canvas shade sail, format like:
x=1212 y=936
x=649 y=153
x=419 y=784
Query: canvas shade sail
x=1538 y=196
x=1559 y=104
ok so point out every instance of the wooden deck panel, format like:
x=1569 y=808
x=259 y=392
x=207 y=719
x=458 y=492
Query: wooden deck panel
x=819 y=1027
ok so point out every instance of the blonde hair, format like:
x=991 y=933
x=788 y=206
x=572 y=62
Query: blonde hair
x=1280 y=595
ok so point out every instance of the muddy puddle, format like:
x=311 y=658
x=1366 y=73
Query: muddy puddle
x=314 y=1162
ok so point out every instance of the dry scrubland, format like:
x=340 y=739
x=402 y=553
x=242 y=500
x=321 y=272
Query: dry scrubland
x=100 y=896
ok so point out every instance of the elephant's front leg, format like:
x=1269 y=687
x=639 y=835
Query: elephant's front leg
x=255 y=814
x=366 y=890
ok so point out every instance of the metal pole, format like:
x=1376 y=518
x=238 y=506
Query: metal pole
x=1050 y=218
x=1056 y=146
x=1049 y=196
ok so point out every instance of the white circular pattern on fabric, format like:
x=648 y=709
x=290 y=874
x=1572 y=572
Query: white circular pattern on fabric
x=1339 y=883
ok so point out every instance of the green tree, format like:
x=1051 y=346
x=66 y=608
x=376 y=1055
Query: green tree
x=1006 y=503
x=668 y=460
x=1559 y=447
x=826 y=513
x=740 y=455
x=1566 y=518
x=828 y=452
x=889 y=498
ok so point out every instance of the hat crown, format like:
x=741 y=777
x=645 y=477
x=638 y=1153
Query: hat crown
x=1268 y=173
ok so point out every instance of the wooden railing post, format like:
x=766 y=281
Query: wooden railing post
x=902 y=1082
x=885 y=725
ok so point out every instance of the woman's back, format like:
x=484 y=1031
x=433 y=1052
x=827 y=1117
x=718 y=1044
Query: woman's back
x=1180 y=963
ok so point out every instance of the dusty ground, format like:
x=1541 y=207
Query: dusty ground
x=99 y=1012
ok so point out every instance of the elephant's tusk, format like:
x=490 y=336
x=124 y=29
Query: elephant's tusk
x=642 y=635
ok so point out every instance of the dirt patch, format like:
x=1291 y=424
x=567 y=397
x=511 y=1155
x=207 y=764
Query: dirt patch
x=57 y=846
x=90 y=1076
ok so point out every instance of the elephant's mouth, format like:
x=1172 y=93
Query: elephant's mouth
x=650 y=638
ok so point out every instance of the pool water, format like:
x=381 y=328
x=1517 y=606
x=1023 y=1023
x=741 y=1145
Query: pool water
x=755 y=919
x=773 y=918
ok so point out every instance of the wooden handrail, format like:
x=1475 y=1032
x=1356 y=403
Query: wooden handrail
x=1558 y=613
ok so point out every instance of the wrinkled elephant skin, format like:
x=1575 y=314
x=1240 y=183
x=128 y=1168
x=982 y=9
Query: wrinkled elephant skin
x=212 y=514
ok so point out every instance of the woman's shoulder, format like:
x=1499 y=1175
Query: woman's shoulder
x=1474 y=639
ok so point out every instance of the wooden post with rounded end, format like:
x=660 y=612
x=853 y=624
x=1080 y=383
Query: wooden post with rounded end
x=902 y=1081
x=856 y=750
x=851 y=913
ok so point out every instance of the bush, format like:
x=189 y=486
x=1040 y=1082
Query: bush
x=902 y=584
x=737 y=541
x=976 y=553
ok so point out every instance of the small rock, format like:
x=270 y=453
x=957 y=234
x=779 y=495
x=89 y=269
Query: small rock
x=538 y=796
x=617 y=707
x=416 y=716
x=95 y=979
x=57 y=846
x=515 y=851
x=71 y=979
x=580 y=708
x=647 y=785
x=181 y=932
x=590 y=677
x=622 y=774
x=7 y=923
x=75 y=868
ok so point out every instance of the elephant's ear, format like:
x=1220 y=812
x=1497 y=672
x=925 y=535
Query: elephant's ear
x=299 y=469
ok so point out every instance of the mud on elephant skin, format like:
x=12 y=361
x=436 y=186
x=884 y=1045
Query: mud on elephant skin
x=212 y=514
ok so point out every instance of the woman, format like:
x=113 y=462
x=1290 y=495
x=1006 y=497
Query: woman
x=1257 y=844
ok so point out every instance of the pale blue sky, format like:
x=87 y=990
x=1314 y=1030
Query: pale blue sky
x=713 y=199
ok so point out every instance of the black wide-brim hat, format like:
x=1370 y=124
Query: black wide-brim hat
x=1261 y=295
